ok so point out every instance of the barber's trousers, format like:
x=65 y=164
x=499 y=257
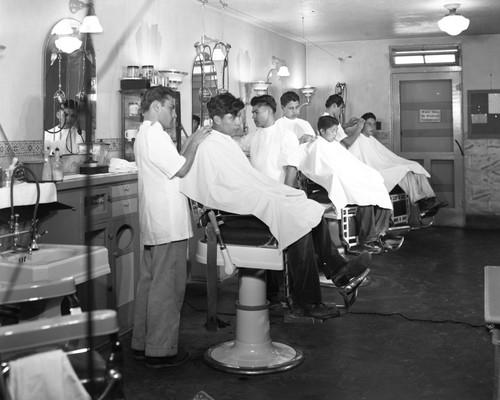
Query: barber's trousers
x=159 y=298
x=304 y=256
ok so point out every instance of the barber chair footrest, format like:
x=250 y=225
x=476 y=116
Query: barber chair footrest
x=253 y=359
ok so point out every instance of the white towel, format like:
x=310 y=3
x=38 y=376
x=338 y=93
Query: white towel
x=45 y=376
x=120 y=165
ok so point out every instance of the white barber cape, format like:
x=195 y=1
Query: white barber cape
x=221 y=177
x=391 y=166
x=346 y=179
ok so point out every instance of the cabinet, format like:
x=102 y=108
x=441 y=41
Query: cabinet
x=105 y=214
x=132 y=119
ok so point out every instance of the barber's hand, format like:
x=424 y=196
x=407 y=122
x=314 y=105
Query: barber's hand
x=306 y=139
x=360 y=124
x=201 y=134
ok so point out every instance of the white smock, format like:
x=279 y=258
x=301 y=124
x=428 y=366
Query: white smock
x=272 y=149
x=164 y=212
x=297 y=125
x=346 y=179
x=391 y=166
x=222 y=178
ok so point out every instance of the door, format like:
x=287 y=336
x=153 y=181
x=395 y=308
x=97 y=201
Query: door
x=427 y=128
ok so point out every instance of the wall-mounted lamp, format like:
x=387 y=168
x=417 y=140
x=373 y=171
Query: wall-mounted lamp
x=174 y=78
x=453 y=24
x=279 y=65
x=90 y=23
x=308 y=91
x=258 y=88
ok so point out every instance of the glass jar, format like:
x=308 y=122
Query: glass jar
x=133 y=71
x=147 y=71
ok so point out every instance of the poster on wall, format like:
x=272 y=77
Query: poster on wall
x=429 y=116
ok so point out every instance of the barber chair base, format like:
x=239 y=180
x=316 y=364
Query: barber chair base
x=253 y=359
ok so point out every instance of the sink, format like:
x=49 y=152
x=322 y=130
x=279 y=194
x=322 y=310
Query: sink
x=53 y=262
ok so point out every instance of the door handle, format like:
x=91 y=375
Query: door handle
x=460 y=147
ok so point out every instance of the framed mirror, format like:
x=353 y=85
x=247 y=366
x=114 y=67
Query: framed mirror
x=69 y=87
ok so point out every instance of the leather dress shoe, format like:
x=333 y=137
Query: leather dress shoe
x=321 y=310
x=169 y=361
x=355 y=269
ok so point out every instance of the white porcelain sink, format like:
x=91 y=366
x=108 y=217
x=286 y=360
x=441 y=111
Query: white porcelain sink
x=53 y=262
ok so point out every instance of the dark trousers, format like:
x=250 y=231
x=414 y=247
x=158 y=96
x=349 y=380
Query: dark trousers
x=372 y=221
x=304 y=256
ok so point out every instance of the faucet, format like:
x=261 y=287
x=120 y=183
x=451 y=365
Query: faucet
x=15 y=233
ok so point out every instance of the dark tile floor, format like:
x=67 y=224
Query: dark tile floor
x=415 y=332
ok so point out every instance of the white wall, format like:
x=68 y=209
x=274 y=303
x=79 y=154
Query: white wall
x=27 y=22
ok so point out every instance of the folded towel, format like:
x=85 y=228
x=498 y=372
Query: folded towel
x=120 y=165
x=45 y=376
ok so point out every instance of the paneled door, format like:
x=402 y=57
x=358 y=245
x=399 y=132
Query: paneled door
x=427 y=128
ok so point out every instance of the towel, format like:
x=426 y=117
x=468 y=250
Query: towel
x=120 y=165
x=221 y=177
x=346 y=179
x=25 y=194
x=45 y=376
x=391 y=166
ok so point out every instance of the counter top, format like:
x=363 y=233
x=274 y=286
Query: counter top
x=80 y=180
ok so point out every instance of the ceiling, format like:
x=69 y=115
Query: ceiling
x=323 y=21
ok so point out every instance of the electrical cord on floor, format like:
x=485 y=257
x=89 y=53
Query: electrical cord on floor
x=430 y=321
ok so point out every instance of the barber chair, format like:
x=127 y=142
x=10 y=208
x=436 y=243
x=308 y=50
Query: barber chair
x=250 y=252
x=43 y=299
x=345 y=226
x=492 y=317
x=70 y=333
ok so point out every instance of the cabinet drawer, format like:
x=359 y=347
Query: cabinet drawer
x=123 y=207
x=127 y=189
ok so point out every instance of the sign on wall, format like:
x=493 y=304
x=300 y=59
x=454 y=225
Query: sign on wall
x=429 y=116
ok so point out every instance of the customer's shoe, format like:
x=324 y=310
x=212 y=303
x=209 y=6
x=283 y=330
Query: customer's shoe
x=169 y=361
x=355 y=269
x=321 y=310
x=372 y=247
x=430 y=206
x=139 y=355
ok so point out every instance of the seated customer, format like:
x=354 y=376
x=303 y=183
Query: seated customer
x=348 y=181
x=67 y=134
x=290 y=121
x=221 y=177
x=396 y=170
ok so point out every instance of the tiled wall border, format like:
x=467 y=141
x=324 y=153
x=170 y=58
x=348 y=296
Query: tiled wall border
x=34 y=147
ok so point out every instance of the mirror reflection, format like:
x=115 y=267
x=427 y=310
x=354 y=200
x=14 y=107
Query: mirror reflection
x=69 y=88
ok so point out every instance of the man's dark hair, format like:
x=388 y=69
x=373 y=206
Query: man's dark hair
x=326 y=121
x=334 y=99
x=71 y=104
x=159 y=93
x=264 y=100
x=368 y=115
x=224 y=103
x=287 y=97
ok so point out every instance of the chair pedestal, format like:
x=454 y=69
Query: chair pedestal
x=252 y=352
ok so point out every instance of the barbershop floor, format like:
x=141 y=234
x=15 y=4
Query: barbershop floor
x=415 y=332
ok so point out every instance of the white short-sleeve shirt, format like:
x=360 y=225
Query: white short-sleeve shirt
x=297 y=125
x=163 y=210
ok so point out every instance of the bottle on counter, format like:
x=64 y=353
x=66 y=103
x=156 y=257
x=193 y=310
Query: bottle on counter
x=47 y=172
x=57 y=168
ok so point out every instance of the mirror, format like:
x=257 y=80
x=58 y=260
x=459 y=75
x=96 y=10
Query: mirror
x=69 y=87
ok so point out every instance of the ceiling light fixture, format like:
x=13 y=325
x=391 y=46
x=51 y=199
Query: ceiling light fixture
x=453 y=24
